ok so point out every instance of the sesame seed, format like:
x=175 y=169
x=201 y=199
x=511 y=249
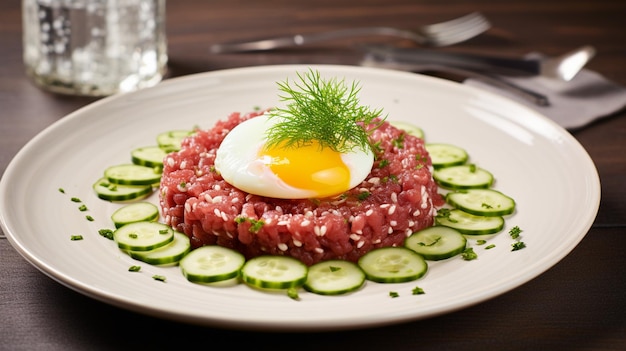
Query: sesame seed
x=283 y=222
x=187 y=207
x=217 y=187
x=394 y=197
x=385 y=205
x=305 y=223
x=392 y=209
x=377 y=241
x=217 y=199
x=416 y=213
x=369 y=212
x=390 y=230
x=216 y=212
x=360 y=244
x=234 y=200
x=283 y=247
x=374 y=180
x=170 y=162
x=355 y=237
x=319 y=250
x=297 y=242
x=183 y=164
x=224 y=216
x=393 y=223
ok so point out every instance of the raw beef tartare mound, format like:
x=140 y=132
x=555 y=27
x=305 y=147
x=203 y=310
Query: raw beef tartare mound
x=397 y=198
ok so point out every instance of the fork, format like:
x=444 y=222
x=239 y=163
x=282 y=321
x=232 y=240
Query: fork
x=437 y=34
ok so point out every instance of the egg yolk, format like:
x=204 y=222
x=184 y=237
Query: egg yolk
x=308 y=167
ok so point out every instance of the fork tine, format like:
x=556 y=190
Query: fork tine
x=456 y=30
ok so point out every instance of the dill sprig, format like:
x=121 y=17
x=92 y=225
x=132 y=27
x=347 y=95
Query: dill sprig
x=326 y=111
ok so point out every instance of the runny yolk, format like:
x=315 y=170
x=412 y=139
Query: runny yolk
x=309 y=167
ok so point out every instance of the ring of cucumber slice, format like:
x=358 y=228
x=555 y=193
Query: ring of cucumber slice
x=334 y=277
x=436 y=243
x=393 y=265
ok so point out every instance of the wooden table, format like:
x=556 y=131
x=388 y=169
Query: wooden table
x=579 y=304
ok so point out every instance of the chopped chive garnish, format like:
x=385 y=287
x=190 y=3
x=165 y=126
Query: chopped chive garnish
x=134 y=268
x=418 y=291
x=82 y=208
x=518 y=246
x=158 y=277
x=75 y=199
x=107 y=233
x=490 y=246
x=89 y=218
x=76 y=237
x=393 y=294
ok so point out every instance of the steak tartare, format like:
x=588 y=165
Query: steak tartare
x=397 y=198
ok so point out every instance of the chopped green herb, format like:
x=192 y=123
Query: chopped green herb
x=486 y=205
x=490 y=246
x=393 y=294
x=89 y=218
x=293 y=293
x=76 y=237
x=515 y=232
x=418 y=291
x=133 y=236
x=82 y=208
x=62 y=191
x=326 y=111
x=158 y=277
x=468 y=254
x=134 y=268
x=363 y=195
x=75 y=199
x=398 y=142
x=383 y=163
x=164 y=231
x=107 y=233
x=518 y=245
x=334 y=269
x=472 y=168
x=481 y=242
x=256 y=224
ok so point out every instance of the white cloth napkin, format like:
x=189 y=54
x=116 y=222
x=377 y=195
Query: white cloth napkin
x=574 y=104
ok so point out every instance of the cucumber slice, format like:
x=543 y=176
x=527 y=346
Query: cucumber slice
x=446 y=155
x=469 y=224
x=274 y=272
x=436 y=243
x=143 y=236
x=209 y=264
x=136 y=212
x=393 y=265
x=463 y=177
x=118 y=192
x=409 y=128
x=169 y=254
x=334 y=277
x=132 y=174
x=482 y=202
x=149 y=156
x=171 y=140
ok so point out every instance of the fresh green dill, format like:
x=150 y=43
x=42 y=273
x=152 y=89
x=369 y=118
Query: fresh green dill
x=334 y=269
x=76 y=237
x=481 y=242
x=383 y=163
x=89 y=218
x=255 y=224
x=398 y=142
x=518 y=245
x=394 y=294
x=75 y=199
x=134 y=268
x=515 y=232
x=488 y=247
x=62 y=191
x=159 y=277
x=107 y=233
x=418 y=291
x=433 y=242
x=468 y=254
x=82 y=208
x=293 y=293
x=363 y=195
x=326 y=111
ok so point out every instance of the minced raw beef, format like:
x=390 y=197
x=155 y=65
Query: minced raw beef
x=397 y=198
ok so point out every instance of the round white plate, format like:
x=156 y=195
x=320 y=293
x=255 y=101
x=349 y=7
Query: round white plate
x=535 y=161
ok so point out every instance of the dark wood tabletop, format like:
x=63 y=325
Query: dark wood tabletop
x=578 y=304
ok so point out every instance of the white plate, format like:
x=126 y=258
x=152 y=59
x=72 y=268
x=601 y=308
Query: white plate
x=544 y=168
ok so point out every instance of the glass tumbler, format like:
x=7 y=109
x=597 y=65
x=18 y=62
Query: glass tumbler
x=94 y=47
